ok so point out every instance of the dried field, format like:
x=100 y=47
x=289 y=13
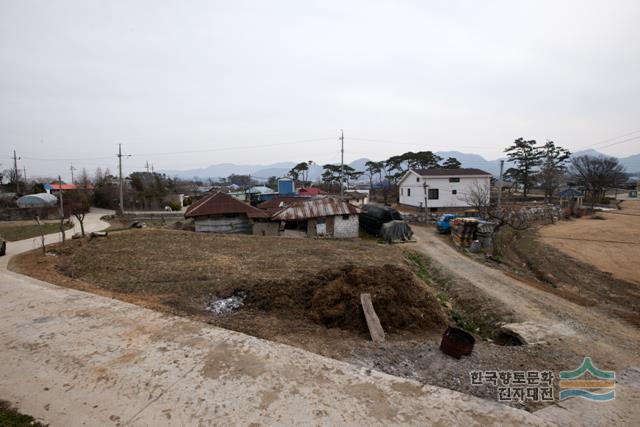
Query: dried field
x=300 y=292
x=611 y=244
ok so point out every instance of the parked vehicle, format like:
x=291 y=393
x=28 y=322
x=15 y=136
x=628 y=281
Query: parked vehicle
x=443 y=225
x=3 y=246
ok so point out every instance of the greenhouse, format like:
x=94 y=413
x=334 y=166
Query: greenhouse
x=39 y=200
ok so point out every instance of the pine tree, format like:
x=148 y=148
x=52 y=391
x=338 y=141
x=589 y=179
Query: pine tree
x=526 y=156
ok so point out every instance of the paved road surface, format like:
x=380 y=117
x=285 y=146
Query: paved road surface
x=72 y=358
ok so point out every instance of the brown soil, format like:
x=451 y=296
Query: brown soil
x=401 y=302
x=610 y=244
x=554 y=271
x=289 y=290
x=300 y=292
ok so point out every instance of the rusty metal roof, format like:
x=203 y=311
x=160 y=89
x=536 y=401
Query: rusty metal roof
x=220 y=204
x=314 y=208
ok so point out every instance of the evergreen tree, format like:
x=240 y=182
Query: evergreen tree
x=552 y=171
x=451 y=163
x=526 y=156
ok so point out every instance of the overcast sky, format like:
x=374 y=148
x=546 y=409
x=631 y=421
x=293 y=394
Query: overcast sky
x=269 y=81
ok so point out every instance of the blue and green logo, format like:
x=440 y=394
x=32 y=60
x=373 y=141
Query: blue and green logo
x=598 y=386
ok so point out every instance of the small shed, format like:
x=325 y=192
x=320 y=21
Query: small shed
x=571 y=198
x=321 y=216
x=222 y=213
x=39 y=200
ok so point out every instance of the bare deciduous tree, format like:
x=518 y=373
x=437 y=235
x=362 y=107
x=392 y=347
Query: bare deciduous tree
x=597 y=174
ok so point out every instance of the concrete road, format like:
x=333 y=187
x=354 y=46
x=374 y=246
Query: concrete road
x=71 y=358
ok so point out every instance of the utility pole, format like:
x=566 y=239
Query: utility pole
x=341 y=163
x=15 y=170
x=426 y=195
x=24 y=174
x=61 y=208
x=72 y=169
x=120 y=155
x=146 y=166
x=500 y=185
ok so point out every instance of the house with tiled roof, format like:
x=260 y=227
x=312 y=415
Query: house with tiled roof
x=221 y=213
x=439 y=188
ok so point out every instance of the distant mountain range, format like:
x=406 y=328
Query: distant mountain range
x=263 y=172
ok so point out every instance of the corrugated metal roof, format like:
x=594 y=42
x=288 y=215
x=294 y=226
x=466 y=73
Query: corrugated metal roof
x=315 y=208
x=220 y=204
x=273 y=205
x=313 y=191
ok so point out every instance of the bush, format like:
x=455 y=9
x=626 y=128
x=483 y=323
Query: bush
x=186 y=201
x=175 y=206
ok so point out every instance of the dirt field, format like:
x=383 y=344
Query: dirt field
x=300 y=292
x=611 y=244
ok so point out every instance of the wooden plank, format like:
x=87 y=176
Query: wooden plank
x=373 y=322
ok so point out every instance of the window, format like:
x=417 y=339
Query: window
x=454 y=179
x=345 y=216
x=434 y=194
x=408 y=192
x=418 y=179
x=454 y=191
x=401 y=191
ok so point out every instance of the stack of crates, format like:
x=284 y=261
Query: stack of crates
x=463 y=231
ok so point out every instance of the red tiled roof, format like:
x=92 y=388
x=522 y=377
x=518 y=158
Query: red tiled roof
x=311 y=191
x=220 y=204
x=56 y=186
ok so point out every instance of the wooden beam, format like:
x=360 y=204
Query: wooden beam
x=373 y=322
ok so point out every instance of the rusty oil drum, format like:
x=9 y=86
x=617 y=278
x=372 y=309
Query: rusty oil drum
x=457 y=343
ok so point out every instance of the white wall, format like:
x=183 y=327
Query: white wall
x=446 y=198
x=346 y=228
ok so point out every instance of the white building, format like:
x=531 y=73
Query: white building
x=442 y=188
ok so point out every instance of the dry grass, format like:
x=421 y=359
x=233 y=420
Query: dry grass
x=13 y=231
x=612 y=245
x=162 y=261
x=181 y=272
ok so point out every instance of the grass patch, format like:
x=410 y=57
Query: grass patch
x=467 y=312
x=12 y=232
x=9 y=417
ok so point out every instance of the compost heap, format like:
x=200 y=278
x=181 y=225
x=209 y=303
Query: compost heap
x=399 y=299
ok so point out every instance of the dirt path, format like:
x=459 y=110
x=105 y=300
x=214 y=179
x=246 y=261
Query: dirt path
x=611 y=342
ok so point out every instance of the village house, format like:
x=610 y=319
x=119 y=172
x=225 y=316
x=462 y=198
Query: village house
x=320 y=216
x=222 y=213
x=442 y=188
